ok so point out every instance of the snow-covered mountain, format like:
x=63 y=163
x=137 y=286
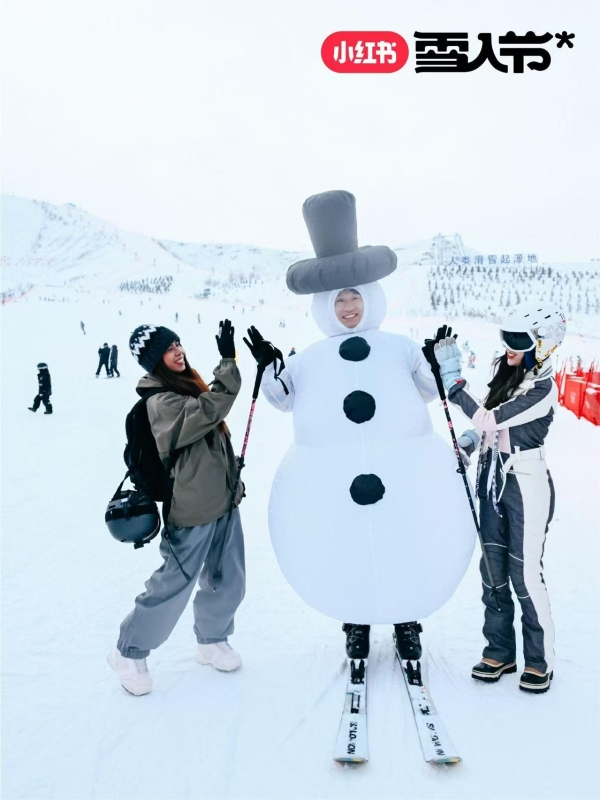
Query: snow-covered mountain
x=64 y=246
x=63 y=249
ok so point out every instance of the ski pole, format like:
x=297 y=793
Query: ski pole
x=218 y=573
x=463 y=472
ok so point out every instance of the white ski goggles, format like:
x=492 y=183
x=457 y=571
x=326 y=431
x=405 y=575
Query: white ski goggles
x=517 y=342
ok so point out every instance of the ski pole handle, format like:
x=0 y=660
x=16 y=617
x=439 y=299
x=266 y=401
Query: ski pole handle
x=259 y=376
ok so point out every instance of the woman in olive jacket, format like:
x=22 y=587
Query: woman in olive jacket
x=190 y=417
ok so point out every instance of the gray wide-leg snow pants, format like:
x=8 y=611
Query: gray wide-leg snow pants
x=514 y=544
x=167 y=591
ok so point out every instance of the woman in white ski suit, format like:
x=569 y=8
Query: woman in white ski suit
x=515 y=489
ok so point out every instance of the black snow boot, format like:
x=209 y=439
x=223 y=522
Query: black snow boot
x=32 y=409
x=536 y=684
x=357 y=640
x=489 y=674
x=408 y=642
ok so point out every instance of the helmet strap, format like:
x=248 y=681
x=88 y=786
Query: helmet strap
x=540 y=361
x=538 y=355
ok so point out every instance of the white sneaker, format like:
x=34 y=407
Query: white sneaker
x=133 y=673
x=220 y=655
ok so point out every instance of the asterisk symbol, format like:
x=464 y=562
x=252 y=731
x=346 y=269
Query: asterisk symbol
x=563 y=38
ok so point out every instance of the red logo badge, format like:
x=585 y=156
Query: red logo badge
x=364 y=51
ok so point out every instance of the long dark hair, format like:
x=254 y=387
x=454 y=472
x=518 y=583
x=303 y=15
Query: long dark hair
x=188 y=382
x=505 y=381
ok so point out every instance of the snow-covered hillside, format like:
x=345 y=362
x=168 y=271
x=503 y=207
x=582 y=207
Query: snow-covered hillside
x=65 y=248
x=487 y=291
x=57 y=252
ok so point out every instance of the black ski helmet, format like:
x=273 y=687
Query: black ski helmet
x=42 y=365
x=132 y=517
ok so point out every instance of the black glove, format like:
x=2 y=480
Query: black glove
x=225 y=340
x=264 y=352
x=427 y=348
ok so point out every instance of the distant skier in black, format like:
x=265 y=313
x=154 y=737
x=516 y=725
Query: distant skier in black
x=44 y=389
x=104 y=353
x=292 y=352
x=82 y=327
x=114 y=358
x=177 y=316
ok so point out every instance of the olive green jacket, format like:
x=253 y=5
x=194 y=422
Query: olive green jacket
x=206 y=468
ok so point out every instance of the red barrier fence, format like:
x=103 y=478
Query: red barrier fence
x=579 y=389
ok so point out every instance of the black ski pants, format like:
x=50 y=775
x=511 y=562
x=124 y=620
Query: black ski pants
x=103 y=363
x=45 y=399
x=514 y=543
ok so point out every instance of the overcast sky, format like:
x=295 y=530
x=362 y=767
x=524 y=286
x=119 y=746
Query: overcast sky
x=196 y=120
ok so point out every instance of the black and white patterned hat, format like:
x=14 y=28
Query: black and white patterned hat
x=149 y=343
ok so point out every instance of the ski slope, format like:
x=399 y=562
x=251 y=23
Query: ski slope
x=68 y=252
x=268 y=730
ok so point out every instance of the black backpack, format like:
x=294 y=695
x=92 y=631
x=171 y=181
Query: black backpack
x=132 y=516
x=144 y=467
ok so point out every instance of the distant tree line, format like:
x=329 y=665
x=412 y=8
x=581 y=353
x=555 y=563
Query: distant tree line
x=15 y=292
x=485 y=291
x=159 y=285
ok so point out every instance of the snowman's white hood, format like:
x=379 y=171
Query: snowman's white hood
x=374 y=299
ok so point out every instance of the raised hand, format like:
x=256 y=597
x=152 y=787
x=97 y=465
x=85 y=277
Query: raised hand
x=224 y=339
x=449 y=359
x=263 y=351
x=444 y=332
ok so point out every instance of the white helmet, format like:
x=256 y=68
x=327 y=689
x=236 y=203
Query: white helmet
x=534 y=324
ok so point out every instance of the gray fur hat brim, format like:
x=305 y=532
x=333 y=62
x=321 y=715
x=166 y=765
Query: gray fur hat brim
x=342 y=271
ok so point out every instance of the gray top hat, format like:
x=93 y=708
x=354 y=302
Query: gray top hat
x=340 y=263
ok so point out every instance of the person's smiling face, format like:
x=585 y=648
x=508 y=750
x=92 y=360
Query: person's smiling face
x=349 y=307
x=514 y=359
x=174 y=357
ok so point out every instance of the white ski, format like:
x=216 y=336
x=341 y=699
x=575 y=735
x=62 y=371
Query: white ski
x=352 y=743
x=435 y=742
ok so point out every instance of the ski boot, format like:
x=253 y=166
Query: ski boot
x=31 y=408
x=536 y=684
x=408 y=642
x=490 y=673
x=357 y=640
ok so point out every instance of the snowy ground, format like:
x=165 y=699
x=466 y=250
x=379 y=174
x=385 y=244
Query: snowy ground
x=267 y=731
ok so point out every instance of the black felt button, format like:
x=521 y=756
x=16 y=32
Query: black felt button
x=355 y=349
x=367 y=489
x=359 y=406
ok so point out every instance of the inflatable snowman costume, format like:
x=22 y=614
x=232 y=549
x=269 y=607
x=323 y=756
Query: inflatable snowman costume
x=368 y=516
